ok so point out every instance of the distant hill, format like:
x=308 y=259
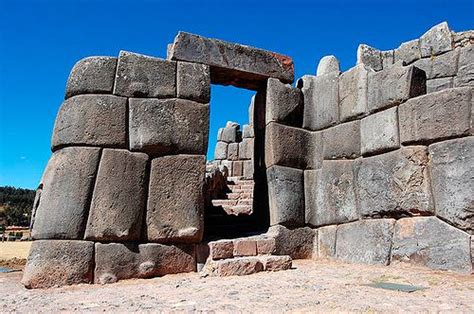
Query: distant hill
x=15 y=206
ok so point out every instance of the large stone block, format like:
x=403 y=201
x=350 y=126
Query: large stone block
x=233 y=64
x=246 y=148
x=284 y=104
x=342 y=141
x=321 y=100
x=221 y=150
x=329 y=194
x=326 y=242
x=394 y=85
x=328 y=65
x=229 y=134
x=144 y=76
x=394 y=184
x=175 y=199
x=292 y=147
x=116 y=261
x=365 y=241
x=93 y=120
x=248 y=131
x=232 y=151
x=388 y=57
x=439 y=84
x=379 y=132
x=297 y=243
x=436 y=40
x=67 y=184
x=247 y=169
x=353 y=93
x=59 y=262
x=408 y=52
x=165 y=126
x=221 y=249
x=193 y=81
x=92 y=75
x=370 y=57
x=239 y=266
x=452 y=177
x=436 y=116
x=286 y=196
x=431 y=242
x=465 y=75
x=118 y=201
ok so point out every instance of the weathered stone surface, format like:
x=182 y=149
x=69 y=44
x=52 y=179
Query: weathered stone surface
x=286 y=196
x=227 y=164
x=116 y=261
x=370 y=57
x=327 y=242
x=394 y=85
x=99 y=120
x=233 y=151
x=379 y=132
x=239 y=266
x=331 y=198
x=66 y=184
x=221 y=150
x=283 y=104
x=233 y=64
x=444 y=65
x=452 y=177
x=328 y=65
x=365 y=241
x=247 y=169
x=408 y=52
x=144 y=76
x=248 y=131
x=342 y=141
x=465 y=75
x=266 y=246
x=436 y=40
x=439 y=84
x=230 y=134
x=160 y=127
x=58 y=263
x=321 y=100
x=246 y=148
x=463 y=39
x=92 y=75
x=353 y=93
x=387 y=58
x=245 y=247
x=431 y=242
x=276 y=263
x=436 y=116
x=221 y=249
x=292 y=147
x=394 y=184
x=251 y=110
x=118 y=201
x=193 y=81
x=238 y=168
x=297 y=243
x=175 y=199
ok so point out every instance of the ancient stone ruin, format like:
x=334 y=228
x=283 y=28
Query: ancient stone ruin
x=372 y=165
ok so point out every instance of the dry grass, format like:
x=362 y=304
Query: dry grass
x=14 y=249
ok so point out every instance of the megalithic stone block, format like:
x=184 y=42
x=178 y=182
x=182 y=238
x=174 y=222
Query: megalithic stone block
x=247 y=169
x=248 y=131
x=439 y=84
x=327 y=242
x=66 y=184
x=452 y=174
x=118 y=202
x=342 y=141
x=328 y=65
x=59 y=262
x=92 y=75
x=408 y=52
x=436 y=40
x=175 y=200
x=394 y=184
x=246 y=148
x=233 y=151
x=430 y=242
x=436 y=116
x=233 y=64
x=92 y=120
x=284 y=104
x=166 y=126
x=297 y=243
x=321 y=100
x=465 y=75
x=394 y=85
x=221 y=150
x=379 y=132
x=387 y=58
x=144 y=76
x=286 y=196
x=193 y=82
x=353 y=93
x=229 y=134
x=370 y=57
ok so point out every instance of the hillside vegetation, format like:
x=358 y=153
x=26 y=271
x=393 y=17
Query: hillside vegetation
x=15 y=206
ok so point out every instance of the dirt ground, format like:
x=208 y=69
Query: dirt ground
x=321 y=286
x=14 y=249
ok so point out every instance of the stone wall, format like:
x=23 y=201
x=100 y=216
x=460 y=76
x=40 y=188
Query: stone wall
x=380 y=169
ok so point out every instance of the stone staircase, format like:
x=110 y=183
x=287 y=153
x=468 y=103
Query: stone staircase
x=238 y=200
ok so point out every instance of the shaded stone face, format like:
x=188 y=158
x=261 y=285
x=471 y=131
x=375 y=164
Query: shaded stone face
x=118 y=201
x=58 y=263
x=66 y=185
x=92 y=75
x=284 y=104
x=465 y=74
x=342 y=141
x=431 y=242
x=193 y=82
x=297 y=243
x=92 y=120
x=175 y=199
x=408 y=52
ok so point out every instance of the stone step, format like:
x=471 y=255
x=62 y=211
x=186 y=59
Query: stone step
x=240 y=266
x=224 y=202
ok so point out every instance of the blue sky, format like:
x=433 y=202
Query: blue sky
x=41 y=40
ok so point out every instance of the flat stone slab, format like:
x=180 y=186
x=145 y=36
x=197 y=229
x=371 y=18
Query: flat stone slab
x=232 y=64
x=297 y=243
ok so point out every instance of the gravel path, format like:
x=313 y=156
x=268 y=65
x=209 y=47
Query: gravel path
x=311 y=286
